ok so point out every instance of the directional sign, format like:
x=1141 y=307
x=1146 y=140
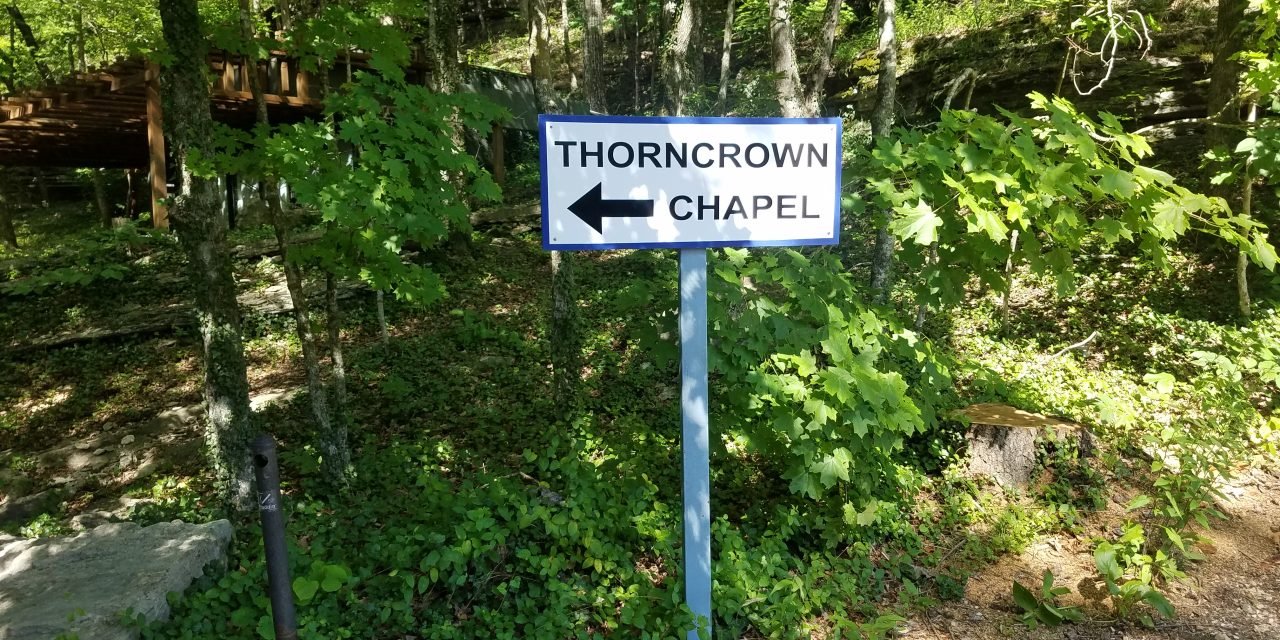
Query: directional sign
x=612 y=182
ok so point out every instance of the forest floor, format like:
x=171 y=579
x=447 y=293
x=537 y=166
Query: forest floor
x=1234 y=594
x=117 y=419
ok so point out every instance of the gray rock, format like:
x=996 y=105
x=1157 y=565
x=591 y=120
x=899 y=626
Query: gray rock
x=22 y=509
x=127 y=440
x=89 y=520
x=79 y=584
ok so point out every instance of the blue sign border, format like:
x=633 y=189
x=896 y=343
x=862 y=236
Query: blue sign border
x=544 y=118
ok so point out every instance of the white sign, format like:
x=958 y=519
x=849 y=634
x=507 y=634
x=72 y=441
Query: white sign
x=615 y=182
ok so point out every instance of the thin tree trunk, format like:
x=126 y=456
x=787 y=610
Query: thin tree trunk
x=201 y=228
x=332 y=440
x=29 y=38
x=568 y=48
x=679 y=72
x=484 y=22
x=593 y=57
x=1009 y=280
x=80 y=56
x=881 y=126
x=726 y=46
x=42 y=188
x=562 y=331
x=333 y=312
x=100 y=197
x=822 y=64
x=7 y=233
x=382 y=317
x=785 y=68
x=637 y=22
x=1246 y=210
x=11 y=68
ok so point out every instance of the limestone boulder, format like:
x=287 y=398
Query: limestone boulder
x=80 y=584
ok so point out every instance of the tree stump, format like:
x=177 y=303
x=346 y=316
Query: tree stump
x=1003 y=439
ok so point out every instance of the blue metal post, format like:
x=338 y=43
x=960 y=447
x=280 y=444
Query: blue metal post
x=695 y=436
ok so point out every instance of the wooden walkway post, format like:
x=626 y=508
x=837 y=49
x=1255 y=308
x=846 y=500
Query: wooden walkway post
x=497 y=154
x=155 y=142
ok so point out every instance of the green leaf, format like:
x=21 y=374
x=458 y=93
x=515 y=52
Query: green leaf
x=266 y=628
x=1263 y=253
x=1024 y=598
x=305 y=588
x=1159 y=603
x=1104 y=557
x=832 y=466
x=1163 y=382
x=805 y=484
x=1172 y=218
x=1117 y=183
x=868 y=513
x=918 y=223
x=1247 y=145
x=334 y=577
x=1155 y=175
x=1138 y=502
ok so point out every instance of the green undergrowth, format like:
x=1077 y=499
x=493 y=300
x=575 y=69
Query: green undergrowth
x=475 y=514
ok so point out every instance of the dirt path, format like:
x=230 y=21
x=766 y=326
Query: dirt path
x=1234 y=594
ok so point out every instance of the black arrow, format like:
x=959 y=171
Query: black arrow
x=592 y=208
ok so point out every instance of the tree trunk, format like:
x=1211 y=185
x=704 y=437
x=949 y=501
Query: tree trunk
x=100 y=197
x=568 y=49
x=332 y=439
x=540 y=56
x=881 y=126
x=822 y=64
x=29 y=38
x=202 y=228
x=562 y=331
x=1246 y=210
x=442 y=36
x=722 y=97
x=7 y=233
x=1224 y=113
x=11 y=69
x=334 y=325
x=680 y=68
x=785 y=68
x=132 y=181
x=564 y=338
x=1224 y=75
x=80 y=56
x=593 y=55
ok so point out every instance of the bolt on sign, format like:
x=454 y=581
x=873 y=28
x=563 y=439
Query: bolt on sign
x=616 y=182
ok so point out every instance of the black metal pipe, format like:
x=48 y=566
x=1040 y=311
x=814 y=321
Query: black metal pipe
x=279 y=586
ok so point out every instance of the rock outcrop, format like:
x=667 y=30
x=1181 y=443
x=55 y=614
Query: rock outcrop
x=78 y=586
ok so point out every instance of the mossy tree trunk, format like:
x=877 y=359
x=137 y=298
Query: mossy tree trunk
x=562 y=333
x=726 y=49
x=593 y=56
x=100 y=197
x=680 y=69
x=202 y=228
x=568 y=46
x=881 y=127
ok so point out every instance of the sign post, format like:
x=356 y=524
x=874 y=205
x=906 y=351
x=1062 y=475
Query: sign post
x=616 y=182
